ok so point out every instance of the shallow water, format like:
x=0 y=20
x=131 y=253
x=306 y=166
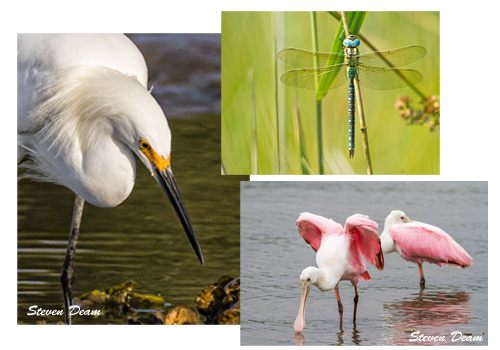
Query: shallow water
x=142 y=239
x=184 y=71
x=391 y=306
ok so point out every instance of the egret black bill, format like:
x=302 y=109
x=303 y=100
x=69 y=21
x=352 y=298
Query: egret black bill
x=167 y=181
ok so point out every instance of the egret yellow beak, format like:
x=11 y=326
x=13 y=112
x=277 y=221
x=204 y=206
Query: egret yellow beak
x=160 y=162
x=165 y=177
x=166 y=180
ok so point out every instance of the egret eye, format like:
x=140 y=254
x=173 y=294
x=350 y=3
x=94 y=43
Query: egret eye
x=308 y=279
x=402 y=218
x=144 y=145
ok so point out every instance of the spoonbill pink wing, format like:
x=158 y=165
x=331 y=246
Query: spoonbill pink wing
x=421 y=242
x=366 y=239
x=313 y=227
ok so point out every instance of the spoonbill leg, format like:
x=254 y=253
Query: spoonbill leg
x=356 y=297
x=422 y=279
x=68 y=273
x=341 y=308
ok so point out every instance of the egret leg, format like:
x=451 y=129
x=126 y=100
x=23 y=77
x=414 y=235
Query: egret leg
x=356 y=297
x=422 y=279
x=67 y=273
x=341 y=308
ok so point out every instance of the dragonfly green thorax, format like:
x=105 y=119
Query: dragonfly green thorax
x=351 y=53
x=374 y=70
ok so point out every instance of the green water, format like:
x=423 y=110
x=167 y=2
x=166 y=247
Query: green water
x=142 y=239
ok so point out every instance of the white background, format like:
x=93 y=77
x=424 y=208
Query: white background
x=469 y=130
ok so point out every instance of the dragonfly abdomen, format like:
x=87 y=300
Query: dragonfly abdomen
x=352 y=109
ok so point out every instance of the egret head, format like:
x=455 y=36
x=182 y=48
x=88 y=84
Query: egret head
x=396 y=217
x=94 y=119
x=150 y=139
x=137 y=122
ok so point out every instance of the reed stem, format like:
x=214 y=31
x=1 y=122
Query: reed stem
x=319 y=128
x=276 y=103
x=253 y=112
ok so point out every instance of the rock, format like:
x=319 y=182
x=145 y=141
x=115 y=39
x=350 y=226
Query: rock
x=182 y=315
x=229 y=317
x=209 y=301
x=145 y=301
x=219 y=299
x=153 y=318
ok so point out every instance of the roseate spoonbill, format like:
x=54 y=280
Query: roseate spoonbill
x=418 y=242
x=339 y=256
x=83 y=112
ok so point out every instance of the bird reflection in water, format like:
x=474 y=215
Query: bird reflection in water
x=300 y=340
x=427 y=311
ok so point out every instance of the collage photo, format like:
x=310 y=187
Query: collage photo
x=339 y=216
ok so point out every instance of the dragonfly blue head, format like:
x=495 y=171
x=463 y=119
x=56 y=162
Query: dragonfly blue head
x=351 y=41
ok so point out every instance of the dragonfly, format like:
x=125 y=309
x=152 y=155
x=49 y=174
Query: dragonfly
x=374 y=70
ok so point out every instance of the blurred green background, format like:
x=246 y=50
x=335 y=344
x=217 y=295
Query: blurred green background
x=251 y=104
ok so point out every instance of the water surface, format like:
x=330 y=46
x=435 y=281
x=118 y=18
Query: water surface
x=142 y=239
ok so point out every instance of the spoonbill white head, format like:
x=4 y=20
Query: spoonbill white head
x=396 y=217
x=312 y=276
x=309 y=276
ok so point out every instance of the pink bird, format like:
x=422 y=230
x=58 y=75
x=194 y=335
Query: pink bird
x=339 y=256
x=418 y=242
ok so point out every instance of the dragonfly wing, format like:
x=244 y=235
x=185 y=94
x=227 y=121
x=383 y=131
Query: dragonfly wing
x=309 y=78
x=381 y=78
x=397 y=57
x=309 y=59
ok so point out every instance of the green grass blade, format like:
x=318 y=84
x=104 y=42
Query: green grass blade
x=306 y=168
x=253 y=114
x=222 y=169
x=276 y=103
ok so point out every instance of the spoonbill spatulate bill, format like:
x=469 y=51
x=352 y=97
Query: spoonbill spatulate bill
x=339 y=255
x=418 y=242
x=83 y=113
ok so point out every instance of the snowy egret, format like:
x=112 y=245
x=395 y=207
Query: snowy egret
x=418 y=242
x=339 y=256
x=83 y=112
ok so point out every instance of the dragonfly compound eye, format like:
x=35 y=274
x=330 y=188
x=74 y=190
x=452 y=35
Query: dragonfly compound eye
x=348 y=42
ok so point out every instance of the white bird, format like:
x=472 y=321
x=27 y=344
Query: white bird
x=418 y=242
x=339 y=256
x=83 y=112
